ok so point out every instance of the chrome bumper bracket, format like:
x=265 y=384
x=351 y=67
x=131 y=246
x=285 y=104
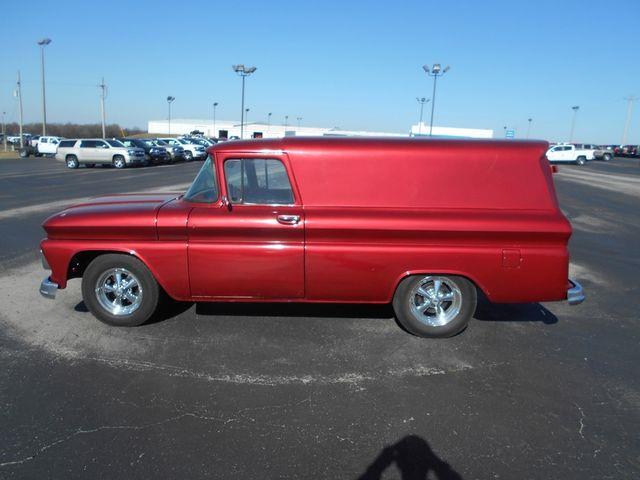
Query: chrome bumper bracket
x=575 y=295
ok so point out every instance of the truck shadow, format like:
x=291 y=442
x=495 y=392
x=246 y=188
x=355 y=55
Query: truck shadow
x=414 y=459
x=513 y=312
x=485 y=311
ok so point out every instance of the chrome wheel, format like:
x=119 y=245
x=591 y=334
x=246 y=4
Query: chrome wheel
x=119 y=162
x=119 y=291
x=435 y=301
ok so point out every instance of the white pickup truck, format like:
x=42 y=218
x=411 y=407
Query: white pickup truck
x=42 y=146
x=569 y=154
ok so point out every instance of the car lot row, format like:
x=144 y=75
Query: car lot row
x=120 y=152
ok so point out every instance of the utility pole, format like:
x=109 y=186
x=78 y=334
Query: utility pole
x=630 y=99
x=19 y=95
x=215 y=104
x=43 y=43
x=103 y=95
x=575 y=109
x=169 y=100
x=269 y=121
x=421 y=101
x=299 y=119
x=4 y=132
x=286 y=121
x=529 y=126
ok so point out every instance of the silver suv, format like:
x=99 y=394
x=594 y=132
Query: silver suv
x=93 y=151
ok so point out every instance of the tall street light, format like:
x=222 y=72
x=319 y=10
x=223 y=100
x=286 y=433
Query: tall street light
x=215 y=104
x=170 y=99
x=529 y=120
x=246 y=115
x=43 y=43
x=243 y=72
x=435 y=72
x=286 y=121
x=299 y=119
x=421 y=101
x=575 y=109
x=269 y=120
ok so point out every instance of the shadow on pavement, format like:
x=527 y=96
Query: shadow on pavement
x=516 y=312
x=323 y=310
x=414 y=458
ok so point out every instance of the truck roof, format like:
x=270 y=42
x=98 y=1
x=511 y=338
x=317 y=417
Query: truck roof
x=288 y=144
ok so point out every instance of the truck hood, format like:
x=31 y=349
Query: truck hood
x=129 y=216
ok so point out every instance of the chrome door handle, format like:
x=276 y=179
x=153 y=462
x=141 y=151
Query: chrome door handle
x=288 y=219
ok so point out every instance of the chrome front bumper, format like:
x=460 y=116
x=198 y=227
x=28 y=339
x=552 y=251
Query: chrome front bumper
x=48 y=288
x=575 y=295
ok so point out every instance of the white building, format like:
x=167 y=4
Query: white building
x=228 y=129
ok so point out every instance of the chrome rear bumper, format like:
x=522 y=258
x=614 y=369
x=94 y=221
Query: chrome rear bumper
x=575 y=295
x=48 y=288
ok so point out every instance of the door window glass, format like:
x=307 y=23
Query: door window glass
x=258 y=181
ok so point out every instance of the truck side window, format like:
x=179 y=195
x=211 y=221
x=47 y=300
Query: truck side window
x=258 y=181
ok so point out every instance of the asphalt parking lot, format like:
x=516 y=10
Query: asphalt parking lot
x=290 y=391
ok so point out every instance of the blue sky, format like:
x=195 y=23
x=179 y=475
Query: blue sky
x=352 y=64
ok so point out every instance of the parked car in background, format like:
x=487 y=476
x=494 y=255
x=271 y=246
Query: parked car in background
x=565 y=153
x=599 y=152
x=192 y=151
x=176 y=151
x=42 y=146
x=97 y=151
x=323 y=229
x=153 y=153
x=205 y=142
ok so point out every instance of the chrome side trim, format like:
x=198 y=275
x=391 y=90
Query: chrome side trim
x=575 y=295
x=48 y=288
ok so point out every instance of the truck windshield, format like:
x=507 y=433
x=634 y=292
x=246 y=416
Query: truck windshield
x=115 y=143
x=204 y=188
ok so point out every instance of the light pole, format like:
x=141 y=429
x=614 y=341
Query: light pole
x=43 y=43
x=103 y=95
x=170 y=99
x=4 y=133
x=575 y=109
x=215 y=104
x=299 y=119
x=630 y=99
x=246 y=115
x=435 y=72
x=243 y=72
x=269 y=120
x=286 y=121
x=529 y=120
x=421 y=101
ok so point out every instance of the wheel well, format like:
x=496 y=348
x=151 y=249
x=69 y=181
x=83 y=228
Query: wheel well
x=117 y=156
x=81 y=260
x=70 y=155
x=479 y=288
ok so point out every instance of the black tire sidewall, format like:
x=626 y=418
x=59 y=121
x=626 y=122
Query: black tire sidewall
x=115 y=161
x=150 y=289
x=414 y=326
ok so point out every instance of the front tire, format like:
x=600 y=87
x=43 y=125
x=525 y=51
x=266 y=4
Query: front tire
x=118 y=161
x=435 y=306
x=607 y=157
x=72 y=161
x=119 y=290
x=188 y=156
x=581 y=161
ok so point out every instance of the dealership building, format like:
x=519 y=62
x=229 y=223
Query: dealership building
x=229 y=129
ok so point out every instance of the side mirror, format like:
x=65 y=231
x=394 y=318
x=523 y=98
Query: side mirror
x=225 y=202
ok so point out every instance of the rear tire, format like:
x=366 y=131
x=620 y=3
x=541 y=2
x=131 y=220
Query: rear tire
x=435 y=306
x=581 y=161
x=109 y=303
x=72 y=161
x=119 y=162
x=188 y=156
x=607 y=157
